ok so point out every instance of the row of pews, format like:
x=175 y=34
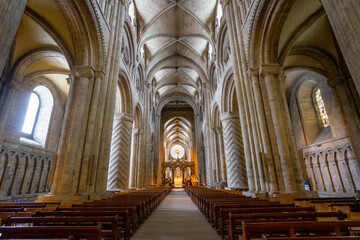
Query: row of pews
x=117 y=217
x=235 y=216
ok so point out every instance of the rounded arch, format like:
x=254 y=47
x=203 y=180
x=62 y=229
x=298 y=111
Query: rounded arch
x=266 y=24
x=86 y=31
x=223 y=46
x=125 y=93
x=177 y=96
x=137 y=117
x=228 y=97
x=128 y=46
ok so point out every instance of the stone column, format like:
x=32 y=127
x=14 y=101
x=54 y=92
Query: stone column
x=326 y=173
x=36 y=177
x=87 y=167
x=119 y=166
x=318 y=174
x=269 y=158
x=7 y=99
x=221 y=153
x=344 y=170
x=215 y=154
x=139 y=158
x=241 y=98
x=106 y=104
x=28 y=177
x=10 y=16
x=334 y=172
x=68 y=167
x=270 y=73
x=344 y=19
x=234 y=153
x=20 y=178
x=133 y=158
x=353 y=166
x=310 y=173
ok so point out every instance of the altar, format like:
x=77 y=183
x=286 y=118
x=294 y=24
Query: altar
x=178 y=178
x=178 y=182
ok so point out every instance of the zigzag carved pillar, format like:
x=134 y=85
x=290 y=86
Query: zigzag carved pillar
x=119 y=165
x=234 y=150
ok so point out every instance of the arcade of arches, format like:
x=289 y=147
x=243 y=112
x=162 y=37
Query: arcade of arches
x=98 y=96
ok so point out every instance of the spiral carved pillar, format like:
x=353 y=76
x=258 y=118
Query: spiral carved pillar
x=119 y=165
x=234 y=151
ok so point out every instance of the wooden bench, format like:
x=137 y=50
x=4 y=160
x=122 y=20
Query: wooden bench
x=312 y=238
x=330 y=228
x=110 y=225
x=122 y=217
x=235 y=220
x=215 y=209
x=131 y=209
x=77 y=232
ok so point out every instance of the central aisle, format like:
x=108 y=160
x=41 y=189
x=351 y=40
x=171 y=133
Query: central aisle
x=176 y=218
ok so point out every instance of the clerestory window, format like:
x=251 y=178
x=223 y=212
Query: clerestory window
x=321 y=108
x=31 y=115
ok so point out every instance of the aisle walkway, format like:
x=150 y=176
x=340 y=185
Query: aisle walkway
x=176 y=218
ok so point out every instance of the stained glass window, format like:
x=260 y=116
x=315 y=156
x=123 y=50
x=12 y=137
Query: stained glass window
x=177 y=151
x=321 y=108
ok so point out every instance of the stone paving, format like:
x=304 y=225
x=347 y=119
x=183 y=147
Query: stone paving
x=176 y=218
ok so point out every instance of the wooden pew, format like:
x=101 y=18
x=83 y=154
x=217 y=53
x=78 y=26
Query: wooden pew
x=131 y=209
x=235 y=220
x=77 y=232
x=110 y=225
x=256 y=230
x=215 y=208
x=312 y=238
x=122 y=217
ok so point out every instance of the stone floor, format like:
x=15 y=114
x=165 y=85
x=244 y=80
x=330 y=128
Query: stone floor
x=176 y=218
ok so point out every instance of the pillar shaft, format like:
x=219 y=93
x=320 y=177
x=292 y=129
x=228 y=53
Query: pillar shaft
x=249 y=157
x=221 y=154
x=235 y=162
x=133 y=163
x=70 y=155
x=344 y=19
x=119 y=166
x=10 y=16
x=282 y=139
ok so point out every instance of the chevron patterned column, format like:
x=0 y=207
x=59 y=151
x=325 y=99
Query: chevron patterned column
x=119 y=165
x=234 y=150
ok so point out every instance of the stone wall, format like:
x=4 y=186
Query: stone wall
x=331 y=167
x=24 y=172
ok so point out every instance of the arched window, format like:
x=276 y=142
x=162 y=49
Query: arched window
x=31 y=115
x=177 y=151
x=38 y=116
x=321 y=108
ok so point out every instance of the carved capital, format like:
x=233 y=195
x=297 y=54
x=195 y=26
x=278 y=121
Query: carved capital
x=229 y=116
x=253 y=72
x=270 y=69
x=83 y=71
x=99 y=74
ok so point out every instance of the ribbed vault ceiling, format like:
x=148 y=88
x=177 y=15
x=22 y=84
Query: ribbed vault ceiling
x=175 y=36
